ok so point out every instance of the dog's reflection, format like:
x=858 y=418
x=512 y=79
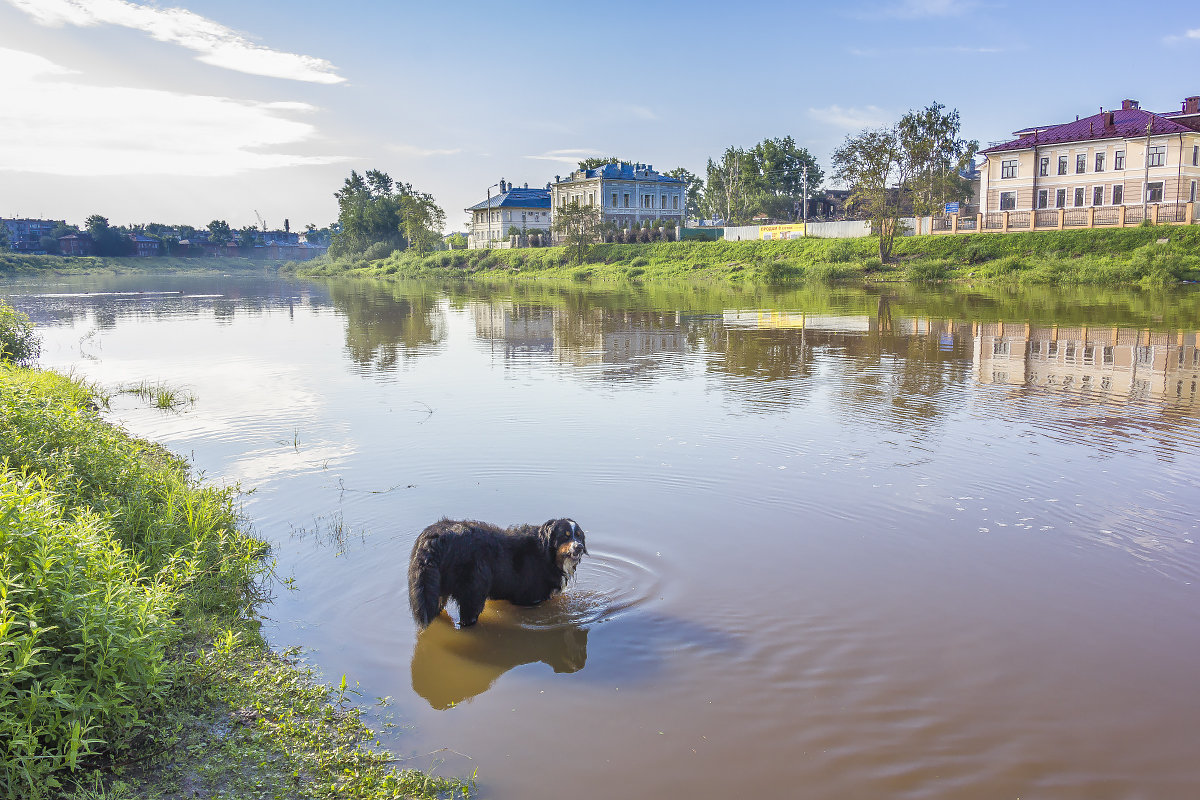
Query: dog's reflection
x=450 y=665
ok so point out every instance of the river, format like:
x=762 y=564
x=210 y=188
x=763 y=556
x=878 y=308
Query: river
x=843 y=543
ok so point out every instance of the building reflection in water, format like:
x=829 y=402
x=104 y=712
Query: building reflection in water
x=1117 y=362
x=1114 y=362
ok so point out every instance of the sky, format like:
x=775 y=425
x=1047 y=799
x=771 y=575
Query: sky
x=225 y=109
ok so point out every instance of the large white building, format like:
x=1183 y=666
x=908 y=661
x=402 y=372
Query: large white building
x=625 y=193
x=1124 y=157
x=522 y=208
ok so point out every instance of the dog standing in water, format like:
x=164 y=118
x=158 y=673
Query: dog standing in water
x=470 y=561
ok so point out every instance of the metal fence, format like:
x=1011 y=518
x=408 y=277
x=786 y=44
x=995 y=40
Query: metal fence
x=1172 y=212
x=1107 y=215
x=1046 y=218
x=943 y=223
x=1018 y=219
x=993 y=221
x=1075 y=218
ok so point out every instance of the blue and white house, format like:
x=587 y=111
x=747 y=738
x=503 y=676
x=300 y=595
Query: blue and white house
x=526 y=209
x=625 y=193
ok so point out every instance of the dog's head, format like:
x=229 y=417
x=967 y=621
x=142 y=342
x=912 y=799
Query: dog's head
x=565 y=539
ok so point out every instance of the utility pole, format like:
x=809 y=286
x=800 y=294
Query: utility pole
x=804 y=199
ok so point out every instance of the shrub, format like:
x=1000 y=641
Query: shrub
x=928 y=271
x=18 y=341
x=639 y=261
x=842 y=250
x=378 y=251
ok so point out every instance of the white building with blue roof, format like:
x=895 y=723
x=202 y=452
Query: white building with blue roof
x=522 y=208
x=626 y=193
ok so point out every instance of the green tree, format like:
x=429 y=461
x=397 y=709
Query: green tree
x=599 y=161
x=874 y=165
x=3 y=236
x=776 y=170
x=247 y=239
x=109 y=241
x=693 y=190
x=930 y=138
x=579 y=227
x=726 y=190
x=372 y=209
x=892 y=169
x=219 y=232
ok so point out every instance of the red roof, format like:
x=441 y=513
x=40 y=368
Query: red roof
x=1127 y=123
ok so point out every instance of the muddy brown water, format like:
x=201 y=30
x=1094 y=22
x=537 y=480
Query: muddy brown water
x=844 y=543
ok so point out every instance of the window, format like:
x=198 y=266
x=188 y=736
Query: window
x=614 y=202
x=1118 y=195
x=1196 y=155
x=675 y=199
x=1099 y=162
x=1044 y=167
x=1062 y=165
x=664 y=202
x=1060 y=198
x=1080 y=163
x=1098 y=196
x=1154 y=192
x=1119 y=160
x=1008 y=201
x=1043 y=198
x=1192 y=196
x=1156 y=155
x=646 y=200
x=627 y=199
x=1008 y=169
x=1078 y=196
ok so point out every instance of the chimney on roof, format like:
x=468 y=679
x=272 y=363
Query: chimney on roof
x=503 y=186
x=1108 y=119
x=526 y=184
x=1128 y=105
x=1191 y=105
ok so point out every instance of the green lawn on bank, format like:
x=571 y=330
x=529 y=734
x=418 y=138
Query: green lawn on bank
x=1144 y=256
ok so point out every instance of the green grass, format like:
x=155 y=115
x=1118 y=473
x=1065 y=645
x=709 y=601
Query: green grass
x=20 y=264
x=131 y=662
x=159 y=394
x=1116 y=257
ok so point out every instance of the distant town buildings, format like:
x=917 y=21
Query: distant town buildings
x=36 y=237
x=1123 y=157
x=522 y=208
x=25 y=235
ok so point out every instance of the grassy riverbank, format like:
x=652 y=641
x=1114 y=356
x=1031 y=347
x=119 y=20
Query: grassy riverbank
x=13 y=264
x=131 y=663
x=1119 y=257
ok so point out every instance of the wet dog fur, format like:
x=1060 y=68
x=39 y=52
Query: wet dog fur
x=471 y=561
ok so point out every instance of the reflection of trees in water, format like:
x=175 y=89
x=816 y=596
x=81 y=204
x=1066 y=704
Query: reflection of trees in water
x=386 y=323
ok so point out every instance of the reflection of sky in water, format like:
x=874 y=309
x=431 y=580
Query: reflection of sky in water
x=864 y=534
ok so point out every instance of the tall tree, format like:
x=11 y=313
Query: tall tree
x=374 y=209
x=109 y=241
x=693 y=190
x=871 y=164
x=911 y=164
x=579 y=227
x=726 y=190
x=930 y=138
x=776 y=171
x=219 y=232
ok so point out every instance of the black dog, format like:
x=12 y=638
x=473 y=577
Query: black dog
x=472 y=561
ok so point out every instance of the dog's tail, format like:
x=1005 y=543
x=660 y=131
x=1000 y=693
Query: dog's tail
x=424 y=581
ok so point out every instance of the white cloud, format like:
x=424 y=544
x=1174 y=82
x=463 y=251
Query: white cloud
x=217 y=45
x=51 y=124
x=423 y=152
x=850 y=118
x=1192 y=34
x=566 y=156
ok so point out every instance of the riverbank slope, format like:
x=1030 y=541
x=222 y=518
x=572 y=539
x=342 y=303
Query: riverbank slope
x=1145 y=256
x=131 y=658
